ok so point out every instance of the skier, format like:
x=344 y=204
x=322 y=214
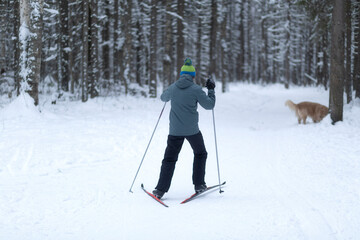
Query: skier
x=184 y=95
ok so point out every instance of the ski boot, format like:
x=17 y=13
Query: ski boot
x=200 y=188
x=159 y=194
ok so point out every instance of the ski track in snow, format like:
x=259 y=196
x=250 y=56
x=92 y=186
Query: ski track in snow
x=293 y=198
x=66 y=173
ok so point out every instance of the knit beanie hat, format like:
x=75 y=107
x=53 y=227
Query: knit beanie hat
x=188 y=68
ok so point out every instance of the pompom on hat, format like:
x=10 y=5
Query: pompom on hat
x=188 y=68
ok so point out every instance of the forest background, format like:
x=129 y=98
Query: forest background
x=71 y=49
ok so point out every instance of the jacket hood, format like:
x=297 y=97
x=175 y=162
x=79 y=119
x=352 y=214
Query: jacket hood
x=184 y=81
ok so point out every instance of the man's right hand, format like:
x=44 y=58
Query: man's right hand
x=210 y=84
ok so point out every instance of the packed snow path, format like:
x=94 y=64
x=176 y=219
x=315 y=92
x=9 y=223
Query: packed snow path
x=65 y=173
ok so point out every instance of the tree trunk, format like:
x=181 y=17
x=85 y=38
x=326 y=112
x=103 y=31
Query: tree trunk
x=348 y=80
x=337 y=62
x=2 y=37
x=199 y=78
x=309 y=53
x=223 y=45
x=241 y=56
x=356 y=75
x=264 y=55
x=116 y=71
x=71 y=53
x=93 y=49
x=153 y=50
x=30 y=44
x=180 y=35
x=325 y=68
x=287 y=46
x=128 y=41
x=125 y=51
x=319 y=67
x=168 y=54
x=64 y=44
x=16 y=62
x=106 y=44
x=213 y=32
x=139 y=79
x=249 y=48
x=85 y=52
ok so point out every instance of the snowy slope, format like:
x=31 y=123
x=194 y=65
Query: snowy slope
x=65 y=173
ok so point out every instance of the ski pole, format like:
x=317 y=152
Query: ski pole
x=147 y=148
x=217 y=157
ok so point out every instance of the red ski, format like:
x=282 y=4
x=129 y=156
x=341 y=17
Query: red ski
x=153 y=196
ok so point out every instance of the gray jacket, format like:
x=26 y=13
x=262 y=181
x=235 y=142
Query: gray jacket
x=184 y=95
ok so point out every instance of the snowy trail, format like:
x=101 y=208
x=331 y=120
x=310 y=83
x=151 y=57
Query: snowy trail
x=66 y=173
x=311 y=221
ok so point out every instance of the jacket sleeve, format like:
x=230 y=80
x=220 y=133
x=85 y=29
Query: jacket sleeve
x=166 y=95
x=206 y=101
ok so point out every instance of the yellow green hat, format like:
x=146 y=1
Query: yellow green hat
x=188 y=68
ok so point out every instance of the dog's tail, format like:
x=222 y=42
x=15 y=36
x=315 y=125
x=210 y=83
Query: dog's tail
x=291 y=105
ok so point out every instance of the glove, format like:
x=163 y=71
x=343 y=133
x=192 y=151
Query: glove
x=210 y=84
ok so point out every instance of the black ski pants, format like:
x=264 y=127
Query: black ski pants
x=174 y=144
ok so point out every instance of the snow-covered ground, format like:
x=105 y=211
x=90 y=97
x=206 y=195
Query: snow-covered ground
x=65 y=173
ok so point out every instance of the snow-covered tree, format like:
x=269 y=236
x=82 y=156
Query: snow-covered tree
x=102 y=47
x=30 y=45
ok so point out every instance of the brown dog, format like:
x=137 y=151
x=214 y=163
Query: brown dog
x=304 y=109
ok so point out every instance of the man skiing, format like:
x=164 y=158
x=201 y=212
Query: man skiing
x=184 y=95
